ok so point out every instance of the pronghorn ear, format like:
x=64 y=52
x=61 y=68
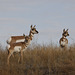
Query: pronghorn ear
x=31 y=26
x=63 y=30
x=24 y=35
x=67 y=30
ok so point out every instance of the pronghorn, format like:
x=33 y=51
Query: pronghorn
x=21 y=46
x=64 y=41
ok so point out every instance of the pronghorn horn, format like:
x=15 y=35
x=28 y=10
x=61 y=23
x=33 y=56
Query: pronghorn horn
x=31 y=26
x=24 y=35
x=67 y=30
x=34 y=25
x=63 y=30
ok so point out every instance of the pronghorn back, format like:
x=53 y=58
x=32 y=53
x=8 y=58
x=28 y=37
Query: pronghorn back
x=15 y=39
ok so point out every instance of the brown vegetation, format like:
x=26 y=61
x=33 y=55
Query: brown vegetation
x=40 y=60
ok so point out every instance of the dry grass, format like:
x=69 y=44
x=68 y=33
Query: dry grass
x=41 y=60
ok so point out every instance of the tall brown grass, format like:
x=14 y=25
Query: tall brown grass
x=40 y=60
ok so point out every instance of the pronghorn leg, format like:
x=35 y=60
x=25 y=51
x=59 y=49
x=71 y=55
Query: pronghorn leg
x=13 y=55
x=21 y=56
x=9 y=54
x=20 y=60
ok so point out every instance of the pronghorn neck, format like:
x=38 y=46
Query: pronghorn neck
x=31 y=35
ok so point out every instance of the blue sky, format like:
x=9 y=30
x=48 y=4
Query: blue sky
x=49 y=16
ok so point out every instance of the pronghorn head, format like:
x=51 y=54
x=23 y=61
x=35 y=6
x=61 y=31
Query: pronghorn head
x=27 y=38
x=65 y=33
x=33 y=30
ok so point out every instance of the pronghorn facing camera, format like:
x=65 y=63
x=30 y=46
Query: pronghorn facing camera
x=21 y=46
x=64 y=41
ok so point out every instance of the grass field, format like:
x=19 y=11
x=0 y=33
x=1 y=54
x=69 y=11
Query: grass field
x=40 y=60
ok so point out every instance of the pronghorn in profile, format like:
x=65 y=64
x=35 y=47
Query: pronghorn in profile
x=21 y=46
x=64 y=41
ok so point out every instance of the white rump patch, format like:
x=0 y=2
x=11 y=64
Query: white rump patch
x=22 y=40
